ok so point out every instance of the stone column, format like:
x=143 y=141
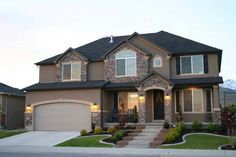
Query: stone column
x=168 y=105
x=216 y=112
x=96 y=118
x=28 y=121
x=142 y=107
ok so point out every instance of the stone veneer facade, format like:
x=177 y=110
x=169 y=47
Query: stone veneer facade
x=141 y=62
x=72 y=57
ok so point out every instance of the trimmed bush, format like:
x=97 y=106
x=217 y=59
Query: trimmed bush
x=212 y=127
x=111 y=130
x=166 y=125
x=196 y=126
x=98 y=131
x=83 y=132
x=182 y=126
x=118 y=135
x=173 y=134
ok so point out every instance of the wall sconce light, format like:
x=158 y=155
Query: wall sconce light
x=167 y=97
x=28 y=109
x=95 y=106
x=142 y=99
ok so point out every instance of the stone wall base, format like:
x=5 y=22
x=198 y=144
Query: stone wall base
x=28 y=121
x=216 y=115
x=96 y=118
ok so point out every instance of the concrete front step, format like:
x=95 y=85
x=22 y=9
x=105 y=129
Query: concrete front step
x=153 y=124
x=136 y=146
x=151 y=130
x=143 y=138
x=138 y=142
x=153 y=127
x=148 y=134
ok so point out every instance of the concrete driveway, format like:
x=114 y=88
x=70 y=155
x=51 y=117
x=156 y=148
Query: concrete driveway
x=39 y=138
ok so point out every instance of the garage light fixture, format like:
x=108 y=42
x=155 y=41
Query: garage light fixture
x=95 y=106
x=28 y=109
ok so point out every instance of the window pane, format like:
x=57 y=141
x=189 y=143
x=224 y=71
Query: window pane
x=157 y=62
x=187 y=100
x=197 y=64
x=197 y=99
x=125 y=54
x=186 y=65
x=208 y=100
x=120 y=67
x=131 y=66
x=66 y=72
x=76 y=71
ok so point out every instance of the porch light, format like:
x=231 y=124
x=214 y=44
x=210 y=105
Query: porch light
x=28 y=109
x=141 y=99
x=167 y=97
x=95 y=106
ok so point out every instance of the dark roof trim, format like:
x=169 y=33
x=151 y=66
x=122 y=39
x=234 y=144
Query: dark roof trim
x=8 y=90
x=124 y=85
x=197 y=81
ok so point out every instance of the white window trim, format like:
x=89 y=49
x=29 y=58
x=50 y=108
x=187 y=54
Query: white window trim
x=126 y=75
x=157 y=57
x=191 y=65
x=192 y=101
x=62 y=71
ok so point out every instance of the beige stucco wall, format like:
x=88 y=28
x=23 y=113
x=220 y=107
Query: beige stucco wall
x=154 y=50
x=212 y=68
x=90 y=95
x=96 y=71
x=47 y=73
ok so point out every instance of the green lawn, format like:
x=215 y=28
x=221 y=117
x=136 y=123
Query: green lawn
x=92 y=141
x=201 y=142
x=4 y=134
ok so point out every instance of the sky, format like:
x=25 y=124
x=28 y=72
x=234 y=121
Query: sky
x=33 y=30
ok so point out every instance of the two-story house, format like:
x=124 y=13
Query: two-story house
x=160 y=73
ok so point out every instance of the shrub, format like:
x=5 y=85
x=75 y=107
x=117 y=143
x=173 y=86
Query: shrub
x=173 y=134
x=83 y=132
x=111 y=130
x=214 y=127
x=166 y=125
x=98 y=131
x=196 y=126
x=118 y=135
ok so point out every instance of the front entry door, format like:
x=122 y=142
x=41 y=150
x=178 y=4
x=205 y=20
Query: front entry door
x=158 y=96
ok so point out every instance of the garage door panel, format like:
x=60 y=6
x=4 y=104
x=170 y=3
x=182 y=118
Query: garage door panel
x=62 y=116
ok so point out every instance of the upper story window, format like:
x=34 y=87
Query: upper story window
x=191 y=64
x=125 y=63
x=157 y=61
x=71 y=71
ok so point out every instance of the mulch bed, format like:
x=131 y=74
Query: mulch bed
x=228 y=147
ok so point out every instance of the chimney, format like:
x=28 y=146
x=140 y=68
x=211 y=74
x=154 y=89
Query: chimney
x=111 y=39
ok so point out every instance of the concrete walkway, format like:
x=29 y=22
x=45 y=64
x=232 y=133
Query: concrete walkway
x=39 y=138
x=120 y=151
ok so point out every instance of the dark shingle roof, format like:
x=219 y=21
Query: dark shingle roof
x=5 y=89
x=172 y=43
x=197 y=81
x=66 y=85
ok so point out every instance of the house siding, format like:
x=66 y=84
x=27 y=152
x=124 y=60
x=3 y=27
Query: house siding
x=96 y=71
x=47 y=73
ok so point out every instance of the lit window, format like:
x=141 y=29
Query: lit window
x=192 y=64
x=193 y=100
x=126 y=63
x=157 y=61
x=71 y=71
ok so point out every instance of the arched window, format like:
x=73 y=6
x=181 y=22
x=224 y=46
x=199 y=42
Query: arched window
x=125 y=63
x=157 y=61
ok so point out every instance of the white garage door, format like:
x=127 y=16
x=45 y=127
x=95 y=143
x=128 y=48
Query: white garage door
x=62 y=116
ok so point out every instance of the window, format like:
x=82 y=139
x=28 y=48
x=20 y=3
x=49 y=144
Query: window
x=208 y=100
x=157 y=61
x=71 y=71
x=191 y=64
x=193 y=100
x=132 y=101
x=126 y=63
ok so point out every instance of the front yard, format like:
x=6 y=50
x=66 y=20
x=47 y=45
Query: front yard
x=4 y=134
x=87 y=141
x=200 y=141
